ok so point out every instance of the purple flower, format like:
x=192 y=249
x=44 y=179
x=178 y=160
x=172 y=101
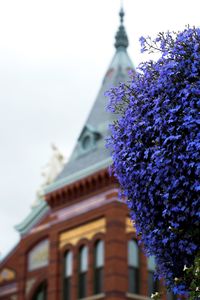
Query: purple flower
x=155 y=146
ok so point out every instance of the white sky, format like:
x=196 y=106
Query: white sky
x=53 y=56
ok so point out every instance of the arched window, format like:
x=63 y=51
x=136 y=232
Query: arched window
x=83 y=268
x=133 y=267
x=68 y=275
x=153 y=285
x=98 y=267
x=41 y=292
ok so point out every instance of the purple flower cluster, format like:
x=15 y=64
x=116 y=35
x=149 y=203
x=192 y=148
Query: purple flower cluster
x=155 y=146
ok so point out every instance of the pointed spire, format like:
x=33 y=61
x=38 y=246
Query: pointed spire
x=121 y=39
x=121 y=14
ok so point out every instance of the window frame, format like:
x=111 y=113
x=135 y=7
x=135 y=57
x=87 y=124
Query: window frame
x=152 y=284
x=82 y=275
x=67 y=290
x=133 y=271
x=98 y=270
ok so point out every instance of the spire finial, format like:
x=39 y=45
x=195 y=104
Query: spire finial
x=121 y=13
x=121 y=36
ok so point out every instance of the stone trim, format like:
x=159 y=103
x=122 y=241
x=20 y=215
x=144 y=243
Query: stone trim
x=137 y=297
x=95 y=297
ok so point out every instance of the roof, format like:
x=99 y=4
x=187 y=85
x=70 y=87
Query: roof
x=89 y=154
x=33 y=217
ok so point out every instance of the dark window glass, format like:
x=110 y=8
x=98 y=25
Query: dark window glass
x=83 y=267
x=153 y=284
x=41 y=293
x=67 y=288
x=82 y=285
x=133 y=282
x=171 y=296
x=98 y=267
x=133 y=267
x=67 y=275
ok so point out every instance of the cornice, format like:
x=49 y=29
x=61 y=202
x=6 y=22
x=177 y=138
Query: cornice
x=32 y=219
x=58 y=184
x=82 y=188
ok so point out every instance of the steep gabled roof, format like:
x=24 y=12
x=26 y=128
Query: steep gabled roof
x=90 y=154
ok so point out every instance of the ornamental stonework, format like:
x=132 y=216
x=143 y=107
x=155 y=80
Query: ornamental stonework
x=39 y=256
x=7 y=275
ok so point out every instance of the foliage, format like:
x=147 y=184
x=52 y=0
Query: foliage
x=155 y=146
x=192 y=276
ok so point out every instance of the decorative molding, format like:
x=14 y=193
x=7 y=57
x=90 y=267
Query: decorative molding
x=8 y=289
x=95 y=297
x=78 y=175
x=129 y=226
x=33 y=218
x=82 y=207
x=39 y=256
x=7 y=274
x=77 y=209
x=80 y=189
x=86 y=231
x=137 y=297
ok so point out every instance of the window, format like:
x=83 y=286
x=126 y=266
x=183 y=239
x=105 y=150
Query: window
x=68 y=275
x=38 y=256
x=98 y=267
x=171 y=296
x=41 y=292
x=133 y=267
x=83 y=268
x=87 y=142
x=153 y=285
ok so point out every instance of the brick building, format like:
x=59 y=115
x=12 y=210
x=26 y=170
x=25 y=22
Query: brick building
x=78 y=243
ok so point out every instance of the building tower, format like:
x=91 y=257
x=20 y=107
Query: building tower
x=78 y=243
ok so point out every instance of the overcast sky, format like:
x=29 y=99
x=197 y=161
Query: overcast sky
x=53 y=56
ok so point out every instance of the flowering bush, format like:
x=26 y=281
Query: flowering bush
x=155 y=146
